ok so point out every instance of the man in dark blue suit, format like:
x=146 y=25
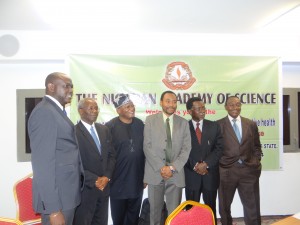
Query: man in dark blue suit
x=127 y=182
x=202 y=167
x=98 y=159
x=55 y=158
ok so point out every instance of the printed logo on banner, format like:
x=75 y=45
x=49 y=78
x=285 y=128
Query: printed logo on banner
x=178 y=76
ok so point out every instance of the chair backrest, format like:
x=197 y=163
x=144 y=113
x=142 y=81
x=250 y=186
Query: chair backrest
x=23 y=198
x=7 y=221
x=198 y=214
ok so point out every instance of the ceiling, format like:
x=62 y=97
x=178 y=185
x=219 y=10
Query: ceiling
x=189 y=16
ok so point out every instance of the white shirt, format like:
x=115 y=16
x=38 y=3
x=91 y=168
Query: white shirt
x=88 y=127
x=200 y=125
x=238 y=123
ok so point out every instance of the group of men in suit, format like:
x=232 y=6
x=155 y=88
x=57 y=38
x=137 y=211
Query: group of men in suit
x=200 y=149
x=223 y=161
x=76 y=168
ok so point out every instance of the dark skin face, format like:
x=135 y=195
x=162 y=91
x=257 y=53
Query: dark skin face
x=169 y=104
x=126 y=112
x=197 y=111
x=89 y=112
x=61 y=89
x=233 y=107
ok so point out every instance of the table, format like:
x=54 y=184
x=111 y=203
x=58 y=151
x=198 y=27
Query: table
x=291 y=220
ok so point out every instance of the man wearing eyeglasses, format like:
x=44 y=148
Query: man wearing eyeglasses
x=126 y=190
x=202 y=167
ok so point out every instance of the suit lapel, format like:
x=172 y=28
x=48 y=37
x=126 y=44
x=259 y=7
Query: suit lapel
x=205 y=131
x=176 y=128
x=161 y=125
x=102 y=138
x=87 y=134
x=56 y=107
x=245 y=126
x=192 y=129
x=230 y=130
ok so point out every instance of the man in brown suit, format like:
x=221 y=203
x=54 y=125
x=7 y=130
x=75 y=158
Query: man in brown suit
x=240 y=166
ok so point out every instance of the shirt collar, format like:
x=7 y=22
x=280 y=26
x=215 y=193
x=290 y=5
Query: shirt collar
x=56 y=102
x=88 y=126
x=195 y=123
x=170 y=117
x=238 y=119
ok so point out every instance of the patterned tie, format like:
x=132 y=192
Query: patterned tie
x=236 y=130
x=198 y=133
x=169 y=141
x=95 y=139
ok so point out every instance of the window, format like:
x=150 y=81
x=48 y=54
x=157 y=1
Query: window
x=27 y=99
x=291 y=118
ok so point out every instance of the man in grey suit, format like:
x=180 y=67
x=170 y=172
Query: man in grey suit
x=240 y=165
x=166 y=150
x=56 y=163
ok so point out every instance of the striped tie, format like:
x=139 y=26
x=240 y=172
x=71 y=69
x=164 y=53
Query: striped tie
x=236 y=130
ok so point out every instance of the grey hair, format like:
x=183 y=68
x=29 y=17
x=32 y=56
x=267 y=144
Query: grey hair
x=82 y=102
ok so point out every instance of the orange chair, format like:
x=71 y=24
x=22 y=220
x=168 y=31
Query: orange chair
x=23 y=198
x=198 y=214
x=6 y=221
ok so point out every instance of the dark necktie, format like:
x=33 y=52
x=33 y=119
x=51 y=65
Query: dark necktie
x=169 y=141
x=95 y=139
x=198 y=133
x=236 y=130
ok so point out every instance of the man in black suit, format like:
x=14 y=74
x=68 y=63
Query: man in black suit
x=98 y=159
x=202 y=167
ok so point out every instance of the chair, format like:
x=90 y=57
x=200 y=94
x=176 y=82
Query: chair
x=7 y=221
x=198 y=214
x=23 y=198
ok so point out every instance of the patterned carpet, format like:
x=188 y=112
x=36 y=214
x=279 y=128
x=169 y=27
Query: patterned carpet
x=265 y=220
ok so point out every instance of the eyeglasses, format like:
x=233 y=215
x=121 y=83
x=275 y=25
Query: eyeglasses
x=198 y=109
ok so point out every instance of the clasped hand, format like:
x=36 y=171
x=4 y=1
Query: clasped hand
x=201 y=168
x=166 y=172
x=101 y=182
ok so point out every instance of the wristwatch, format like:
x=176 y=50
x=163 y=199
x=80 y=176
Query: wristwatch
x=172 y=169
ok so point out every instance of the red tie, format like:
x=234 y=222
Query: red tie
x=198 y=133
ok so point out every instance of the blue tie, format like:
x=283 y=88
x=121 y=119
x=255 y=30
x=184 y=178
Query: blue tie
x=64 y=111
x=95 y=139
x=236 y=130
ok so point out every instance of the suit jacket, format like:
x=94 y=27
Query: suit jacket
x=55 y=158
x=210 y=151
x=249 y=150
x=94 y=164
x=155 y=139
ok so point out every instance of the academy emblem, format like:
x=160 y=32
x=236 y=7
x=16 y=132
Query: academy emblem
x=178 y=76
